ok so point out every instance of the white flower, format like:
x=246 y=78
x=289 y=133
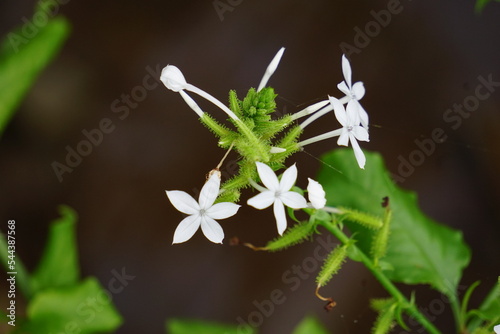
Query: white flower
x=202 y=212
x=497 y=329
x=353 y=92
x=316 y=194
x=351 y=131
x=277 y=193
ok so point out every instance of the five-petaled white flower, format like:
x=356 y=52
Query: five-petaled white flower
x=351 y=131
x=202 y=212
x=277 y=193
x=353 y=92
x=316 y=194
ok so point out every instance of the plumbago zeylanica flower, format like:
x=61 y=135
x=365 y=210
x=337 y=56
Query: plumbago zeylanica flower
x=202 y=212
x=264 y=142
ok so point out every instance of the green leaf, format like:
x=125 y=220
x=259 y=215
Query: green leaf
x=420 y=250
x=189 y=326
x=489 y=309
x=59 y=264
x=22 y=58
x=84 y=308
x=310 y=325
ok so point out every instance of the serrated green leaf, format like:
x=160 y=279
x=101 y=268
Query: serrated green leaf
x=310 y=325
x=421 y=251
x=59 y=266
x=22 y=58
x=190 y=326
x=84 y=308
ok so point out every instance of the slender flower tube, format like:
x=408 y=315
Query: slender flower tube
x=174 y=80
x=271 y=69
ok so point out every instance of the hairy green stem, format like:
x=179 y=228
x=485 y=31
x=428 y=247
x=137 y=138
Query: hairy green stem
x=411 y=309
x=22 y=276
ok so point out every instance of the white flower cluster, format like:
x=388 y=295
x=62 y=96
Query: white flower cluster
x=276 y=192
x=353 y=117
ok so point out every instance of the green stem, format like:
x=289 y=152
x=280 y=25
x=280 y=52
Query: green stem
x=410 y=308
x=492 y=296
x=22 y=276
x=457 y=315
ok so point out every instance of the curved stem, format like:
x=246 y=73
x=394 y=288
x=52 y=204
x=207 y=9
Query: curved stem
x=411 y=309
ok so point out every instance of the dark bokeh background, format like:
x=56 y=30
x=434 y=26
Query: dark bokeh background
x=428 y=58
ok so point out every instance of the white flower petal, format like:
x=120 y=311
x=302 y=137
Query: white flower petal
x=293 y=200
x=173 y=78
x=363 y=116
x=358 y=153
x=344 y=89
x=316 y=194
x=183 y=202
x=339 y=110
x=210 y=191
x=271 y=69
x=352 y=111
x=186 y=228
x=346 y=69
x=279 y=214
x=360 y=133
x=358 y=90
x=343 y=138
x=497 y=329
x=262 y=200
x=288 y=179
x=212 y=230
x=222 y=210
x=267 y=176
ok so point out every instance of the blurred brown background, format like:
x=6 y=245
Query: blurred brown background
x=426 y=59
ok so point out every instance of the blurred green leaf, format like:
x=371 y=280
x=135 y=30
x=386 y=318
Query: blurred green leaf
x=310 y=325
x=480 y=4
x=59 y=264
x=189 y=326
x=488 y=311
x=420 y=250
x=84 y=308
x=24 y=53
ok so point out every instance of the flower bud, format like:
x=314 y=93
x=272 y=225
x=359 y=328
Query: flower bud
x=173 y=78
